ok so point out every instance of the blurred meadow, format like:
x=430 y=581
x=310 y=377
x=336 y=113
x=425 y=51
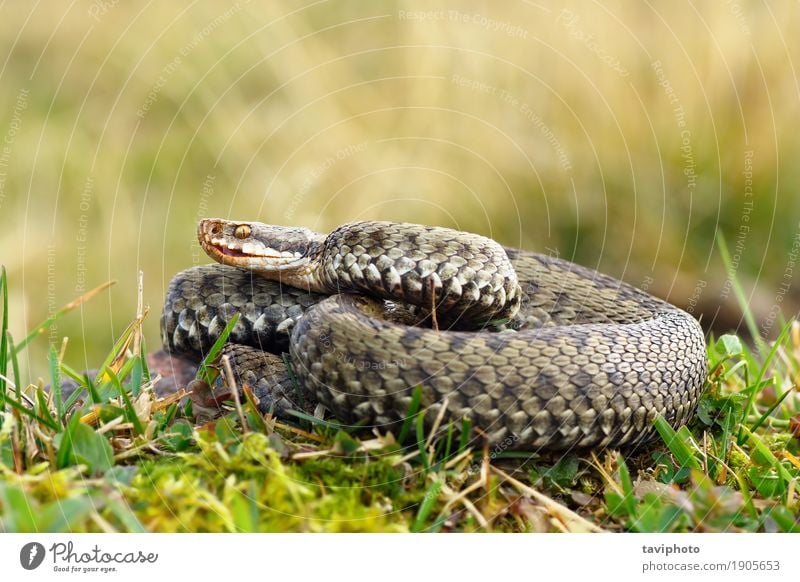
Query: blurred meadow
x=620 y=135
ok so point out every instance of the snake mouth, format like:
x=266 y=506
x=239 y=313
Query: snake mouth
x=235 y=255
x=230 y=252
x=238 y=253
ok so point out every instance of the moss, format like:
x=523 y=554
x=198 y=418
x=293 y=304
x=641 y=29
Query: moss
x=249 y=488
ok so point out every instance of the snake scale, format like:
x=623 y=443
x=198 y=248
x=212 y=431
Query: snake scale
x=536 y=352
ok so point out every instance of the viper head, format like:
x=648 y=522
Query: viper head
x=272 y=251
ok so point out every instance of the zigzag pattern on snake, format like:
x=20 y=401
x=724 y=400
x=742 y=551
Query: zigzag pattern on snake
x=532 y=349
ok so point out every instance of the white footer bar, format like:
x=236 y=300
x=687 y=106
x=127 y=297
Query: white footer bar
x=388 y=557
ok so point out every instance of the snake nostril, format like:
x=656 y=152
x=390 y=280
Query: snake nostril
x=216 y=229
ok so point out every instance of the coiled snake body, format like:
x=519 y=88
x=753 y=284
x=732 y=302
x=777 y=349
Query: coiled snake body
x=533 y=350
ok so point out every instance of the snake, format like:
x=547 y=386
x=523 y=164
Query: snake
x=523 y=349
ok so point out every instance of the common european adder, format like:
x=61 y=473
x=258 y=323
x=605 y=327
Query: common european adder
x=533 y=350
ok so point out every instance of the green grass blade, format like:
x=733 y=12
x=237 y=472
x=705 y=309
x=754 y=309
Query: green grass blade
x=79 y=380
x=64 y=457
x=448 y=446
x=143 y=355
x=463 y=440
x=116 y=350
x=769 y=411
x=126 y=369
x=747 y=497
x=55 y=383
x=318 y=421
x=44 y=409
x=425 y=508
x=15 y=365
x=253 y=414
x=733 y=370
x=628 y=496
x=4 y=336
x=130 y=411
x=739 y=292
x=22 y=409
x=90 y=386
x=420 y=432
x=204 y=372
x=136 y=375
x=4 y=339
x=727 y=428
x=413 y=408
x=676 y=444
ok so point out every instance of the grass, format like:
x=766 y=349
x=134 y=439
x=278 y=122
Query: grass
x=113 y=458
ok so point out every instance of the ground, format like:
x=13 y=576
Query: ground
x=114 y=457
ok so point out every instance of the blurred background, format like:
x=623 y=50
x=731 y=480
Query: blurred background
x=620 y=135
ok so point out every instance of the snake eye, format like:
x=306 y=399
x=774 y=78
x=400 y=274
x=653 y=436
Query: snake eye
x=242 y=231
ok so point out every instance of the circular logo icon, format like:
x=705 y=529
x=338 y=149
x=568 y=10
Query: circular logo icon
x=31 y=555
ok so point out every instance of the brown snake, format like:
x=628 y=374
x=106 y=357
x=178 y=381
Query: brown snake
x=533 y=350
